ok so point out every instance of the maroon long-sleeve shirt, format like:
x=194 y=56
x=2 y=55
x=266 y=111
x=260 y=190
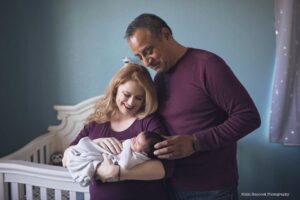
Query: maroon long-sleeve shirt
x=200 y=95
x=131 y=189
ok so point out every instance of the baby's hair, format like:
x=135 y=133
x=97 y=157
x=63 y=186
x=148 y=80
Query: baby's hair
x=152 y=138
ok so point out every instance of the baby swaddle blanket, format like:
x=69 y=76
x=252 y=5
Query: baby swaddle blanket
x=84 y=157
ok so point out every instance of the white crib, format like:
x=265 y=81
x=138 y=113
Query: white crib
x=27 y=174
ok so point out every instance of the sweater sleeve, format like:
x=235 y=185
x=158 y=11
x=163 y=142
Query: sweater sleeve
x=153 y=123
x=229 y=95
x=83 y=133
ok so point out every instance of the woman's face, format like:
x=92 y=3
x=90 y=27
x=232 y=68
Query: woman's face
x=130 y=98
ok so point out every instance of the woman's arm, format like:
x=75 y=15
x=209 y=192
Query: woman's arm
x=149 y=170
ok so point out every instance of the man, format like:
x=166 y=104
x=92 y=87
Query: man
x=204 y=107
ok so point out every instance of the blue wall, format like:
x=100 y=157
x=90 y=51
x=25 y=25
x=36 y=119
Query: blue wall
x=62 y=52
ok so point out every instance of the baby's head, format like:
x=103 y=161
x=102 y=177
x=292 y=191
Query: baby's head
x=144 y=143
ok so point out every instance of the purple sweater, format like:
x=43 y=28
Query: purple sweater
x=125 y=190
x=200 y=95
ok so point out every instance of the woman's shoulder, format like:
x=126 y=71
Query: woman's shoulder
x=151 y=117
x=152 y=122
x=95 y=126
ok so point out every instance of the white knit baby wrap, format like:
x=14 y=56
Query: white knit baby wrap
x=84 y=157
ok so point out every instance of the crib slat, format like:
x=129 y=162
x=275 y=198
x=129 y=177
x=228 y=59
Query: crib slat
x=42 y=157
x=86 y=196
x=29 y=194
x=57 y=194
x=15 y=191
x=35 y=157
x=47 y=149
x=3 y=188
x=43 y=193
x=72 y=195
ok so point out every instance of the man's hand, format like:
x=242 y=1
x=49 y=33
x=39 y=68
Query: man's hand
x=175 y=147
x=107 y=171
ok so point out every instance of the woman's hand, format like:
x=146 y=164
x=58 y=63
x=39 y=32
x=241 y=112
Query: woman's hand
x=107 y=171
x=110 y=144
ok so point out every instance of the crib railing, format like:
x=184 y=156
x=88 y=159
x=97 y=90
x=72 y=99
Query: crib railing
x=48 y=182
x=38 y=150
x=26 y=173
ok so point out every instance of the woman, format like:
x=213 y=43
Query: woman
x=125 y=110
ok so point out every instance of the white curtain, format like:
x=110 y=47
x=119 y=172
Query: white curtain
x=285 y=108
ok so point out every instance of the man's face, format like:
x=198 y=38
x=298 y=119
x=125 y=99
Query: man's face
x=152 y=50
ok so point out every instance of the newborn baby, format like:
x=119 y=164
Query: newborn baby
x=83 y=158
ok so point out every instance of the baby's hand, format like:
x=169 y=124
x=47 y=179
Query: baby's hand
x=111 y=144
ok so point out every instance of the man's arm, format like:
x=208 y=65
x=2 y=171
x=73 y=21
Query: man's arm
x=228 y=94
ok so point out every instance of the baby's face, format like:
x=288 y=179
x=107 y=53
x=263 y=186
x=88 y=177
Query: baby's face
x=138 y=143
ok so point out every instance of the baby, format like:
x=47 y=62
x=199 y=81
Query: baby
x=84 y=157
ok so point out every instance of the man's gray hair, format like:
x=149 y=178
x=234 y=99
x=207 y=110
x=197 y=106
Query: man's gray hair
x=148 y=21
